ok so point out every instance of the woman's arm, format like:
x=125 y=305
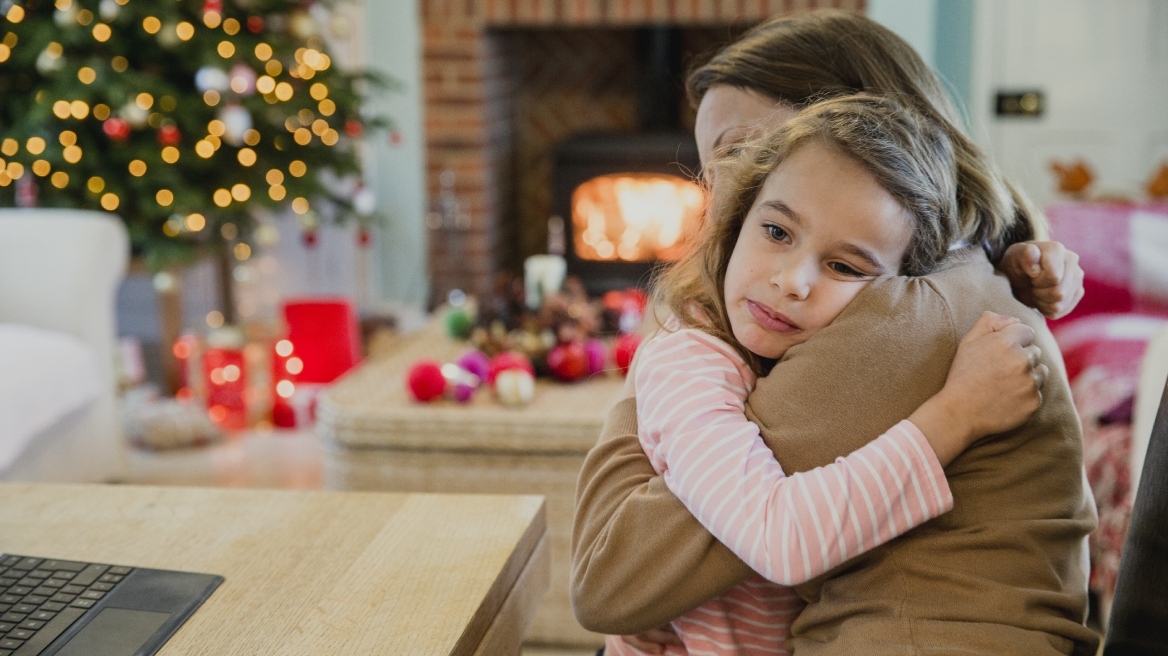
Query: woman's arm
x=1044 y=275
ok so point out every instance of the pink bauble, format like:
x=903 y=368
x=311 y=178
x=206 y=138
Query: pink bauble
x=476 y=362
x=568 y=361
x=425 y=380
x=508 y=360
x=624 y=349
x=460 y=383
x=596 y=356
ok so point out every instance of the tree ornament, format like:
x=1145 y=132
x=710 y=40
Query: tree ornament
x=237 y=120
x=108 y=9
x=135 y=115
x=508 y=360
x=515 y=387
x=425 y=380
x=568 y=362
x=354 y=128
x=209 y=78
x=364 y=237
x=624 y=349
x=309 y=238
x=243 y=77
x=169 y=135
x=476 y=362
x=255 y=24
x=117 y=129
x=459 y=323
x=597 y=355
x=460 y=383
x=213 y=5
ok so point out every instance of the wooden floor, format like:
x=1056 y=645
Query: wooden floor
x=278 y=459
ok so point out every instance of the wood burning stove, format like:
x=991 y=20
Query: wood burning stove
x=628 y=200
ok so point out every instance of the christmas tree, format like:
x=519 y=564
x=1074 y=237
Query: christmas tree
x=180 y=116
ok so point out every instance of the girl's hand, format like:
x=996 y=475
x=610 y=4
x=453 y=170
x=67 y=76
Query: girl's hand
x=994 y=385
x=654 y=641
x=1044 y=275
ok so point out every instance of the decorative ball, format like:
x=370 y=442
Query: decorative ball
x=624 y=349
x=460 y=383
x=237 y=120
x=354 y=128
x=134 y=114
x=459 y=323
x=476 y=362
x=506 y=361
x=364 y=237
x=243 y=77
x=169 y=135
x=515 y=387
x=425 y=380
x=309 y=237
x=568 y=361
x=108 y=10
x=117 y=129
x=596 y=355
x=209 y=78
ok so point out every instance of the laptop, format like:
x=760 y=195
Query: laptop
x=54 y=607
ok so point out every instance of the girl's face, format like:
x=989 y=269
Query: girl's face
x=728 y=115
x=821 y=229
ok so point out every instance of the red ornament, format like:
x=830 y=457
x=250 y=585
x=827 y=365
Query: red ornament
x=568 y=361
x=169 y=135
x=255 y=24
x=117 y=129
x=508 y=360
x=353 y=128
x=309 y=237
x=213 y=5
x=425 y=380
x=624 y=349
x=364 y=237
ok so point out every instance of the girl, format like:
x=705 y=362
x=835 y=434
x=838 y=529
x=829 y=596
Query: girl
x=849 y=190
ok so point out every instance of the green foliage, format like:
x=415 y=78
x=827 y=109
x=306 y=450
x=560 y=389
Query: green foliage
x=116 y=78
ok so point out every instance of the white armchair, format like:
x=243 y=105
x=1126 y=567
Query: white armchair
x=60 y=271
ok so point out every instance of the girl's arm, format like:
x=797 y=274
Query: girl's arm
x=1044 y=275
x=690 y=408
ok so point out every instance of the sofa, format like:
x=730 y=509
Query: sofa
x=59 y=274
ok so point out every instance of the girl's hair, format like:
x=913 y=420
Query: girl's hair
x=807 y=57
x=909 y=154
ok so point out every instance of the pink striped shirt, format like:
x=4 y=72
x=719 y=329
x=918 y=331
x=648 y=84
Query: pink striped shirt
x=691 y=390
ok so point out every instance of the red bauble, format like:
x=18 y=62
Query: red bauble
x=364 y=238
x=508 y=360
x=624 y=349
x=568 y=361
x=353 y=128
x=425 y=380
x=169 y=135
x=117 y=129
x=309 y=237
x=213 y=5
x=255 y=24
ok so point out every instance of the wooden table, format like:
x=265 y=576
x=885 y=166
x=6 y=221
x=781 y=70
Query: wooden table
x=309 y=572
x=378 y=438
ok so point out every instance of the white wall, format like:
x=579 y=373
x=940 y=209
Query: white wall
x=393 y=45
x=914 y=20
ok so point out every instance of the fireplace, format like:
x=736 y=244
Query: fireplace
x=627 y=202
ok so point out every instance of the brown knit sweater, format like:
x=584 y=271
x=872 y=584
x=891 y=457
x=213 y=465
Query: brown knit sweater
x=1002 y=573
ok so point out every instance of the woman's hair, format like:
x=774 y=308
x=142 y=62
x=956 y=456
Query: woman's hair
x=909 y=154
x=804 y=58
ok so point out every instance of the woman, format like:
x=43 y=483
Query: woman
x=764 y=78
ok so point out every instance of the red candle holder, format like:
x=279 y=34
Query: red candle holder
x=225 y=382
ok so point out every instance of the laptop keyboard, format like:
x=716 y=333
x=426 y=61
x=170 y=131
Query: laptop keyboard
x=40 y=599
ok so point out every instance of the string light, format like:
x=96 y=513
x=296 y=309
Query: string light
x=9 y=147
x=15 y=14
x=327 y=107
x=101 y=112
x=297 y=168
x=195 y=222
x=85 y=17
x=284 y=91
x=231 y=26
x=225 y=49
x=305 y=117
x=151 y=24
x=302 y=136
x=110 y=202
x=35 y=145
x=60 y=179
x=184 y=31
x=120 y=64
x=240 y=192
x=102 y=32
x=229 y=231
x=242 y=252
x=216 y=128
x=283 y=348
x=211 y=97
x=318 y=91
x=79 y=109
x=215 y=142
x=277 y=192
x=246 y=156
x=274 y=177
x=15 y=170
x=137 y=168
x=221 y=197
x=144 y=101
x=263 y=52
x=5 y=52
x=67 y=137
x=170 y=154
x=300 y=205
x=251 y=137
x=86 y=74
x=319 y=126
x=72 y=154
x=215 y=320
x=61 y=109
x=96 y=185
x=212 y=19
x=164 y=197
x=41 y=167
x=273 y=67
x=172 y=227
x=266 y=84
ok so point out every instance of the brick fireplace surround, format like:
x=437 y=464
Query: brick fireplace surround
x=506 y=79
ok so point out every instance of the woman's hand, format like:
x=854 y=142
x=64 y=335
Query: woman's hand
x=654 y=641
x=1044 y=275
x=994 y=385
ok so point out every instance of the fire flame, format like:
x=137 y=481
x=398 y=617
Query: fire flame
x=634 y=217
